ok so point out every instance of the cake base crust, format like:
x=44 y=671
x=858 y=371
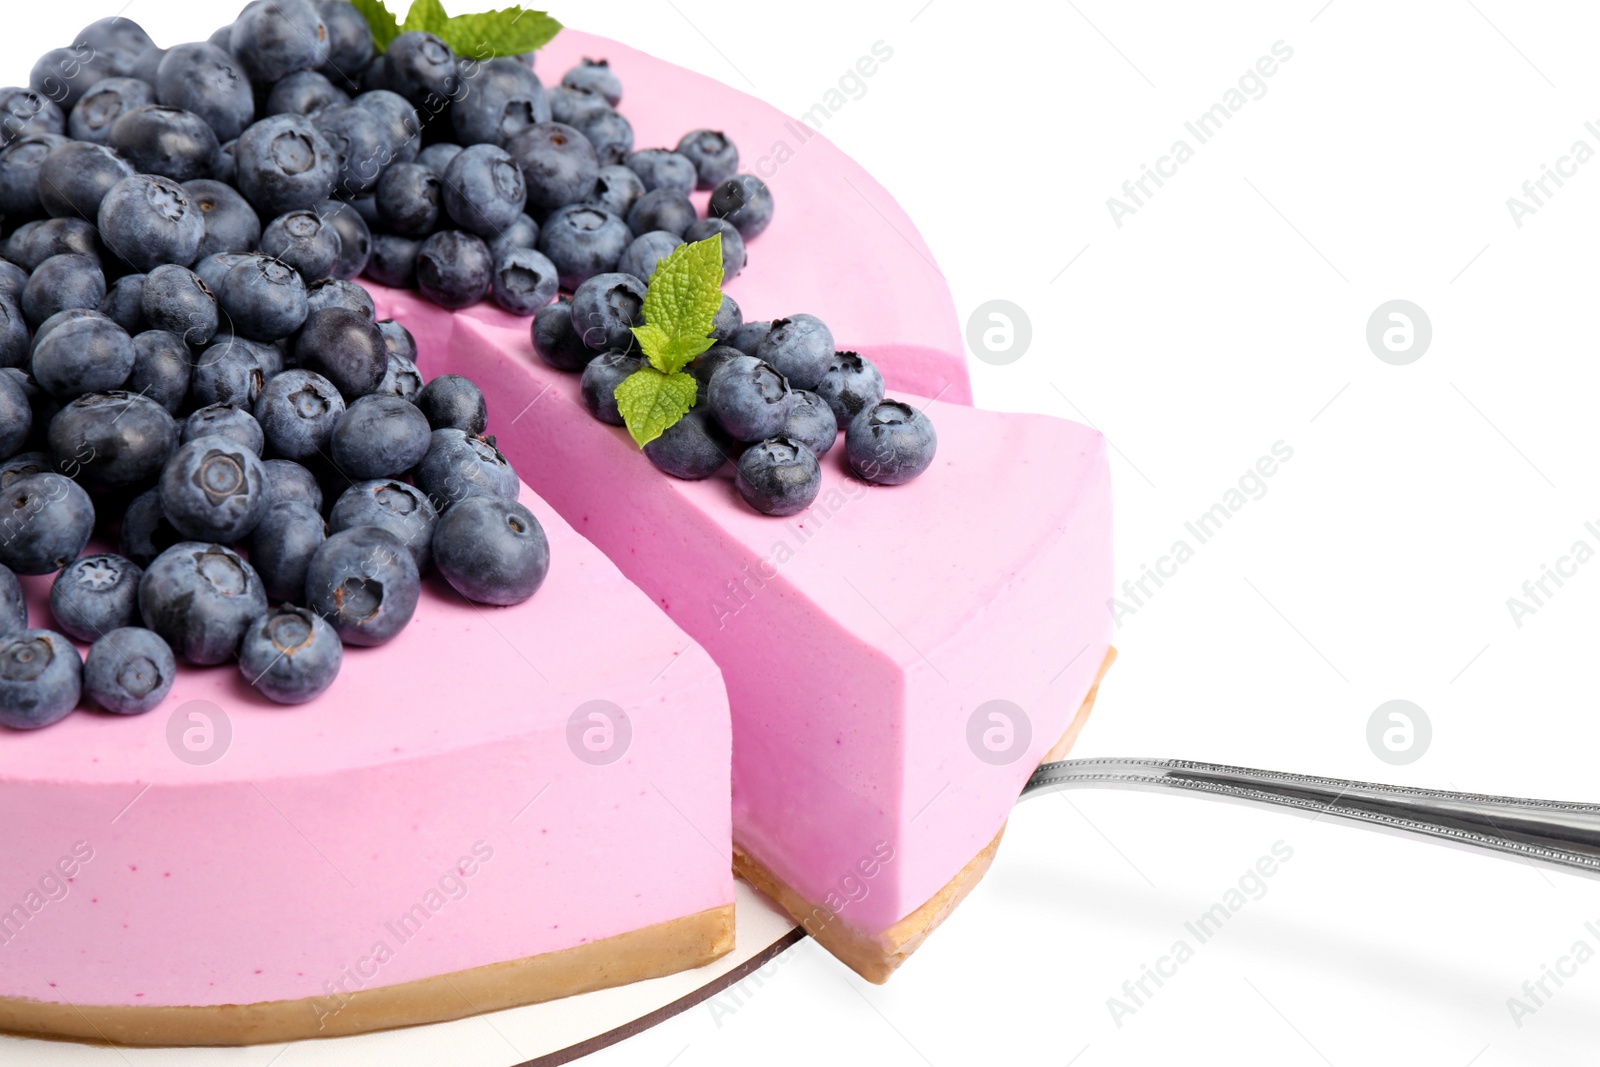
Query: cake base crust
x=876 y=956
x=649 y=952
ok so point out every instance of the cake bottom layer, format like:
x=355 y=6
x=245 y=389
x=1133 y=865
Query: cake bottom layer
x=875 y=956
x=649 y=952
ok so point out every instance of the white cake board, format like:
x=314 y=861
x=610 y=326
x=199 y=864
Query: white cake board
x=539 y=1035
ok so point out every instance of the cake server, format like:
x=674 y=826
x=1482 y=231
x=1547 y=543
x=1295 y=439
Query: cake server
x=1550 y=831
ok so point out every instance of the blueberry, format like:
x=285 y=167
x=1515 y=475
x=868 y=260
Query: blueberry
x=98 y=110
x=62 y=283
x=492 y=551
x=582 y=242
x=610 y=134
x=524 y=280
x=850 y=384
x=83 y=355
x=123 y=303
x=112 y=440
x=694 y=447
x=281 y=547
x=290 y=655
x=503 y=98
x=459 y=465
x=63 y=74
x=231 y=370
x=225 y=163
x=145 y=532
x=263 y=299
x=596 y=76
x=203 y=79
x=213 y=489
x=400 y=379
x=811 y=422
x=355 y=238
x=801 y=347
x=451 y=402
x=349 y=39
x=224 y=420
x=365 y=583
x=715 y=158
x=303 y=92
x=556 y=341
x=41 y=679
x=423 y=69
x=23 y=464
x=199 y=598
x=93 y=595
x=34 y=242
x=394 y=260
x=129 y=671
x=660 y=168
x=454 y=269
x=230 y=223
x=606 y=308
x=148 y=220
x=616 y=189
x=16 y=417
x=379 y=437
x=297 y=411
x=646 y=251
x=161 y=369
x=19 y=173
x=290 y=483
x=284 y=163
x=571 y=106
x=522 y=232
x=13 y=279
x=398 y=340
x=334 y=293
x=24 y=112
x=144 y=66
x=404 y=126
x=745 y=201
x=728 y=319
x=483 y=190
x=42 y=404
x=558 y=165
x=346 y=347
x=174 y=299
x=778 y=477
x=76 y=176
x=303 y=241
x=437 y=156
x=14 y=340
x=13 y=609
x=750 y=398
x=601 y=376
x=661 y=209
x=733 y=248
x=162 y=140
x=276 y=39
x=409 y=198
x=362 y=141
x=124 y=40
x=707 y=363
x=890 y=443
x=45 y=521
x=403 y=510
x=213 y=268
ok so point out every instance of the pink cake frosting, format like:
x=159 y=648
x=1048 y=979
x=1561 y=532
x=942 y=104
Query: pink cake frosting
x=858 y=638
x=431 y=802
x=839 y=247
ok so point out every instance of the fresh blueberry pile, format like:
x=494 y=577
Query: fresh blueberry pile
x=188 y=372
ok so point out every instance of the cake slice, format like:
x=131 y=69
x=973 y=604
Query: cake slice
x=500 y=806
x=898 y=660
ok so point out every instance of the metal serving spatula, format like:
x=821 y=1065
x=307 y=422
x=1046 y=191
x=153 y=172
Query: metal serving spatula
x=1551 y=831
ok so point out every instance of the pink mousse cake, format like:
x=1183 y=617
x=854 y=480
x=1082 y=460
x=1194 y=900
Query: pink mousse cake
x=496 y=808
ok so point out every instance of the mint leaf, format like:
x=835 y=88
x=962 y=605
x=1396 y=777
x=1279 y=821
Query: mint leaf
x=681 y=305
x=379 y=20
x=425 y=15
x=510 y=31
x=650 y=401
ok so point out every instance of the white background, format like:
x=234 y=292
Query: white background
x=1228 y=314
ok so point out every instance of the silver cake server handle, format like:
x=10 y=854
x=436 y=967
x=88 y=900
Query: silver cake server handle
x=1551 y=831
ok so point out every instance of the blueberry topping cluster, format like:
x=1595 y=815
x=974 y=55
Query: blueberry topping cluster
x=190 y=374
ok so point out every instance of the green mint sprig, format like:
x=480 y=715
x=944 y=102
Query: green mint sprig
x=680 y=308
x=509 y=31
